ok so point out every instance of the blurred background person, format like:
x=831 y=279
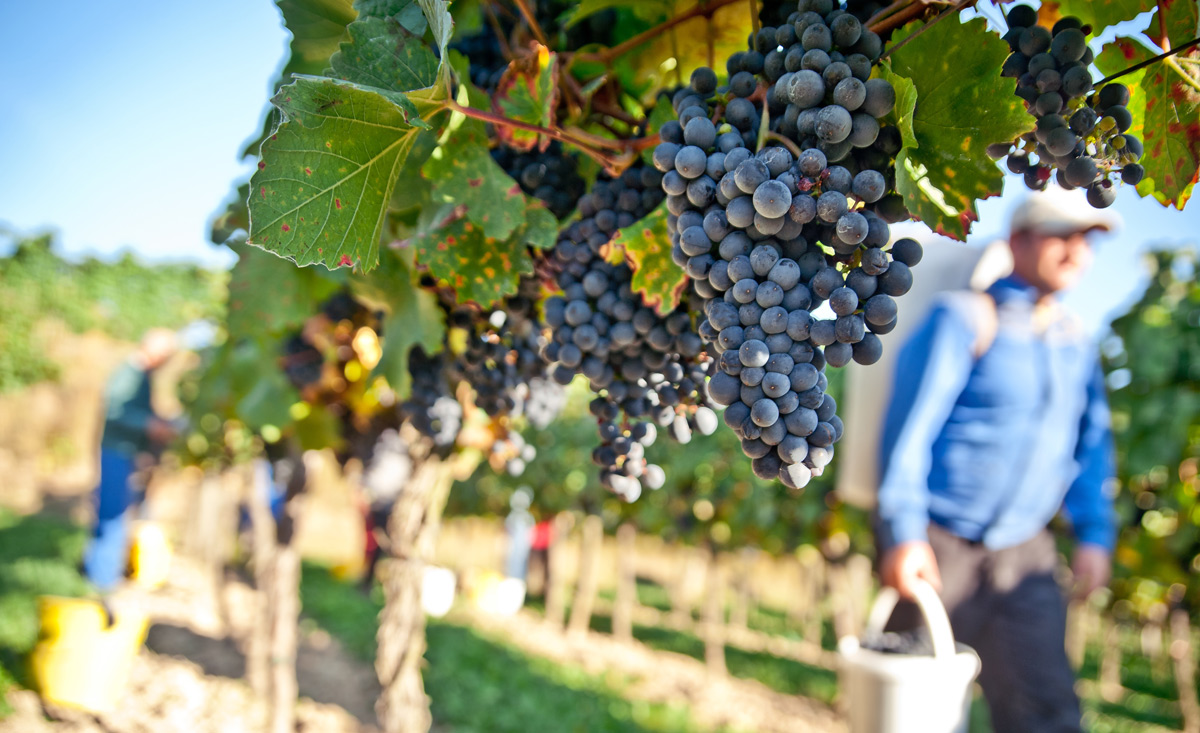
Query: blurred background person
x=131 y=429
x=998 y=419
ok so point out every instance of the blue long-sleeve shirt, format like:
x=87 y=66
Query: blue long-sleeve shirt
x=992 y=448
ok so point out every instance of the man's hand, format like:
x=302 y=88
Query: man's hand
x=160 y=431
x=1092 y=567
x=907 y=562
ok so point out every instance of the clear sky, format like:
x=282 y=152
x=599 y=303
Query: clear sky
x=123 y=122
x=123 y=125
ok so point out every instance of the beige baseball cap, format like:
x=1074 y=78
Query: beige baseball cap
x=1059 y=212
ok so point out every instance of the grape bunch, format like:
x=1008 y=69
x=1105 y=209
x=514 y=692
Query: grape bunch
x=649 y=371
x=502 y=363
x=767 y=237
x=1081 y=134
x=302 y=362
x=432 y=408
x=550 y=176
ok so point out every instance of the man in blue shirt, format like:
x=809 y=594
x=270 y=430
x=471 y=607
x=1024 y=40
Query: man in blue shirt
x=998 y=419
x=130 y=428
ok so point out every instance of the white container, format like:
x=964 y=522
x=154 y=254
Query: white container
x=900 y=693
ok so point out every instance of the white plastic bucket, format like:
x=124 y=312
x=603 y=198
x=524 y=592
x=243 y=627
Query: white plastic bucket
x=900 y=693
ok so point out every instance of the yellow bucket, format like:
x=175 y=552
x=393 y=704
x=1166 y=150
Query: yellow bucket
x=81 y=661
x=149 y=555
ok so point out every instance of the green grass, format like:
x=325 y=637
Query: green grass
x=481 y=684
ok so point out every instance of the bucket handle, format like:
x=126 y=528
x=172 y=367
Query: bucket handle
x=931 y=608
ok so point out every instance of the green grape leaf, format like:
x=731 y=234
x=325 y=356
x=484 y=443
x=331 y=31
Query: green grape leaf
x=256 y=311
x=482 y=269
x=385 y=54
x=407 y=12
x=642 y=70
x=235 y=217
x=647 y=247
x=319 y=429
x=257 y=387
x=652 y=11
x=441 y=24
x=413 y=318
x=528 y=92
x=317 y=26
x=322 y=188
x=1121 y=54
x=466 y=177
x=1171 y=131
x=1102 y=13
x=962 y=105
x=1164 y=108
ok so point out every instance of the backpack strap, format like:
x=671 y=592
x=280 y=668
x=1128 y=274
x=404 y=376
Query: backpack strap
x=987 y=322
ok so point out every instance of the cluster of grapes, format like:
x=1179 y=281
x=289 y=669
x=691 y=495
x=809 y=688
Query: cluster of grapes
x=779 y=12
x=1081 y=135
x=503 y=364
x=647 y=369
x=432 y=408
x=550 y=176
x=303 y=361
x=769 y=237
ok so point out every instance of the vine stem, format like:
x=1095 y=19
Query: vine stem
x=607 y=55
x=753 y=16
x=1147 y=62
x=584 y=146
x=885 y=12
x=534 y=26
x=1173 y=64
x=941 y=16
x=899 y=18
x=791 y=146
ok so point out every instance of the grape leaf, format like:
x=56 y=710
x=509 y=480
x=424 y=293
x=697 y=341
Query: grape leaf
x=528 y=92
x=1121 y=54
x=317 y=26
x=652 y=11
x=327 y=173
x=661 y=114
x=1171 y=134
x=642 y=69
x=385 y=54
x=413 y=318
x=480 y=268
x=962 y=106
x=256 y=311
x=1099 y=13
x=1165 y=110
x=441 y=24
x=407 y=12
x=647 y=248
x=257 y=385
x=465 y=176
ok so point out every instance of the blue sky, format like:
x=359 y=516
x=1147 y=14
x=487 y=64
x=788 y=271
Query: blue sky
x=123 y=122
x=123 y=127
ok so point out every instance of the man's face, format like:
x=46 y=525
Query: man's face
x=1050 y=262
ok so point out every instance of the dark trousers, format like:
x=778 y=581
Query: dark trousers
x=1008 y=606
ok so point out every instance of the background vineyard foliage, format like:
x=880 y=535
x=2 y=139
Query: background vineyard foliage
x=39 y=288
x=1153 y=365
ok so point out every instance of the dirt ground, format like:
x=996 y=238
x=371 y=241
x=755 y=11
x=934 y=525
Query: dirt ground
x=189 y=676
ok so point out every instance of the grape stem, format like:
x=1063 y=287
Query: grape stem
x=791 y=146
x=607 y=55
x=1143 y=64
x=941 y=16
x=494 y=22
x=899 y=18
x=534 y=26
x=609 y=162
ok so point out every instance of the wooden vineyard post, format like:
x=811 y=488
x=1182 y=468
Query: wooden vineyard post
x=1077 y=632
x=403 y=706
x=859 y=581
x=839 y=596
x=585 y=590
x=681 y=612
x=622 y=618
x=1110 y=663
x=739 y=615
x=262 y=549
x=1185 y=670
x=285 y=592
x=714 y=617
x=808 y=605
x=556 y=588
